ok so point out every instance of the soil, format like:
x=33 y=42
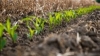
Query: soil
x=79 y=37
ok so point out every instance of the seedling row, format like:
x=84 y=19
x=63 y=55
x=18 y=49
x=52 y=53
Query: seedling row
x=54 y=19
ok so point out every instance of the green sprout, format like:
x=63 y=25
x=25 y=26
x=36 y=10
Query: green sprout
x=1 y=29
x=39 y=25
x=2 y=43
x=28 y=19
x=11 y=30
x=86 y=10
x=69 y=14
x=54 y=19
x=2 y=40
x=31 y=32
x=58 y=18
x=51 y=21
x=81 y=11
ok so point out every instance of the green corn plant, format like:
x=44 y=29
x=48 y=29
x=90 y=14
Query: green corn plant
x=58 y=18
x=93 y=7
x=2 y=40
x=8 y=26
x=86 y=10
x=31 y=33
x=39 y=25
x=13 y=33
x=69 y=14
x=80 y=11
x=73 y=14
x=51 y=21
x=1 y=30
x=28 y=19
x=2 y=43
x=11 y=30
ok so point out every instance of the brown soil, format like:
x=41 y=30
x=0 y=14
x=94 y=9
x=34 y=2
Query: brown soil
x=79 y=37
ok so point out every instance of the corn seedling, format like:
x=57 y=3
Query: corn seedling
x=69 y=14
x=11 y=30
x=58 y=18
x=31 y=33
x=28 y=19
x=2 y=43
x=51 y=21
x=1 y=29
x=86 y=10
x=80 y=11
x=39 y=25
x=2 y=40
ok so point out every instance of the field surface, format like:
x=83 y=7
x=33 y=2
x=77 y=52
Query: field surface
x=49 y=28
x=79 y=37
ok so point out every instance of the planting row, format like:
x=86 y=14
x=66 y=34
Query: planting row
x=54 y=19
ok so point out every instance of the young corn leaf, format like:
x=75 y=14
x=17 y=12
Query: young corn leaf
x=11 y=30
x=2 y=40
x=42 y=25
x=28 y=19
x=13 y=33
x=31 y=33
x=58 y=18
x=1 y=30
x=8 y=26
x=39 y=25
x=51 y=21
x=68 y=15
x=2 y=43
x=38 y=30
x=14 y=38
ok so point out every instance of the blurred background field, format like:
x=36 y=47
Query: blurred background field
x=22 y=8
